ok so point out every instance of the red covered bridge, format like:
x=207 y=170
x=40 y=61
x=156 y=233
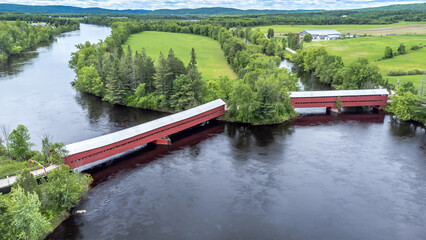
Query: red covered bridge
x=348 y=98
x=99 y=148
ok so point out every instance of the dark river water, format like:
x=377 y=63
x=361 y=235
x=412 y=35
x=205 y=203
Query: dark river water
x=358 y=175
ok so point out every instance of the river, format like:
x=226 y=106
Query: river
x=357 y=175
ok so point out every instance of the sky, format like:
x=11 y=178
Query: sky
x=240 y=4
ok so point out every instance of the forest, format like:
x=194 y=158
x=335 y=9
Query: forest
x=17 y=36
x=258 y=96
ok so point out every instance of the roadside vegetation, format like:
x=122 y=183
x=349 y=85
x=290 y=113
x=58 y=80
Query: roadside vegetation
x=35 y=207
x=210 y=58
x=18 y=35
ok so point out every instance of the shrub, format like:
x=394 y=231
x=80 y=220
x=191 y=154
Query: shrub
x=416 y=47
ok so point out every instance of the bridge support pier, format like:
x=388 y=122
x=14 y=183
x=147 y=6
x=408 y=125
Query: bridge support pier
x=163 y=141
x=334 y=110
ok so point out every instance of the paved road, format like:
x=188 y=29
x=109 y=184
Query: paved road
x=7 y=182
x=290 y=50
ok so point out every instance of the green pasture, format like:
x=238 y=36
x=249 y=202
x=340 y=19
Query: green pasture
x=373 y=49
x=211 y=60
x=339 y=27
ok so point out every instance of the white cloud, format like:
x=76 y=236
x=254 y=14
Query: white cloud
x=241 y=4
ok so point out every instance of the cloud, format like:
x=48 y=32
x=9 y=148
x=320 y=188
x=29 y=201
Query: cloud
x=241 y=4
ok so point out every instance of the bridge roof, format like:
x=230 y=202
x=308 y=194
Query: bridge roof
x=339 y=93
x=111 y=138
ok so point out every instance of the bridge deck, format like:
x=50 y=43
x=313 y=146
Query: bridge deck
x=92 y=150
x=348 y=98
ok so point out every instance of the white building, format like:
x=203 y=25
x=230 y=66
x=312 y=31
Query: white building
x=327 y=34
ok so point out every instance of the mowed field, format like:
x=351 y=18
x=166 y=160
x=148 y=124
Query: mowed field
x=376 y=30
x=373 y=48
x=210 y=58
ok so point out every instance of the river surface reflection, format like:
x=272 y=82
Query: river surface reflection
x=36 y=91
x=351 y=176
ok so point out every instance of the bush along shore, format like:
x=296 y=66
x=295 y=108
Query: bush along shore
x=34 y=208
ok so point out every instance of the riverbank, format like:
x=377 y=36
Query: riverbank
x=22 y=39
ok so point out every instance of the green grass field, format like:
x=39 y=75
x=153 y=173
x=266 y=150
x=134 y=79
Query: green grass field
x=353 y=28
x=211 y=60
x=373 y=49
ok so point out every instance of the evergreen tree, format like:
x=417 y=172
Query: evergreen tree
x=114 y=88
x=194 y=77
x=127 y=71
x=148 y=72
x=164 y=77
x=193 y=61
x=176 y=65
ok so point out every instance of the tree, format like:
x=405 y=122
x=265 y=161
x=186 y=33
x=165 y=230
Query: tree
x=361 y=74
x=88 y=80
x=327 y=68
x=163 y=77
x=26 y=181
x=402 y=105
x=176 y=65
x=64 y=188
x=19 y=145
x=28 y=222
x=284 y=42
x=270 y=33
x=114 y=91
x=270 y=49
x=408 y=87
x=307 y=38
x=401 y=49
x=388 y=52
x=145 y=70
x=293 y=41
x=193 y=60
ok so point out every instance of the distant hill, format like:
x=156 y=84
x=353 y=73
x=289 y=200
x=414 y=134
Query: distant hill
x=397 y=7
x=217 y=11
x=4 y=7
x=62 y=9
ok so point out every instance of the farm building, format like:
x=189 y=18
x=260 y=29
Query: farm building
x=327 y=34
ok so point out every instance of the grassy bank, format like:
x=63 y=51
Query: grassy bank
x=211 y=60
x=373 y=49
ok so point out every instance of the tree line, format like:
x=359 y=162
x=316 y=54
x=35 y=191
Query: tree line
x=258 y=96
x=18 y=36
x=330 y=69
x=33 y=207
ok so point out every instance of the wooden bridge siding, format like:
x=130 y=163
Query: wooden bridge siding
x=144 y=138
x=352 y=101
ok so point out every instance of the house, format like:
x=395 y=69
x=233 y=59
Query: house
x=327 y=34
